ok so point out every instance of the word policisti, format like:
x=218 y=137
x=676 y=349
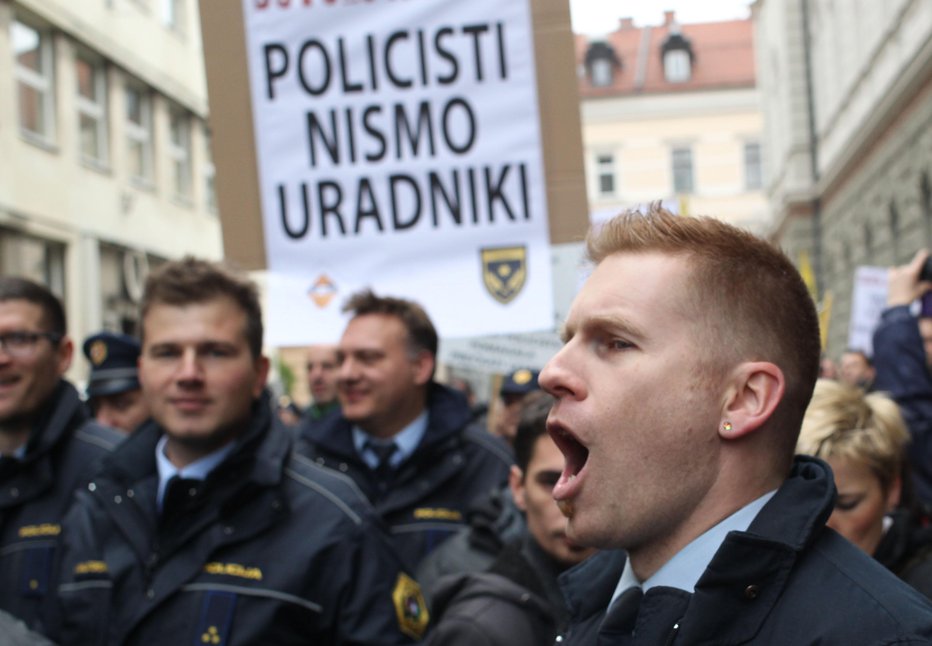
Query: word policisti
x=379 y=135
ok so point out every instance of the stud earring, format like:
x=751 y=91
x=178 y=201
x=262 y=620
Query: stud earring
x=726 y=427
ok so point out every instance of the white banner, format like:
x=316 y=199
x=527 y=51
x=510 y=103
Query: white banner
x=398 y=145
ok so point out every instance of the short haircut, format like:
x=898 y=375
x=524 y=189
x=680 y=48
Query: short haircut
x=752 y=302
x=422 y=336
x=532 y=425
x=843 y=422
x=13 y=288
x=191 y=280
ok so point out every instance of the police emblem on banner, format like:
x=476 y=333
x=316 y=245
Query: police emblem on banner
x=504 y=271
x=410 y=607
x=322 y=291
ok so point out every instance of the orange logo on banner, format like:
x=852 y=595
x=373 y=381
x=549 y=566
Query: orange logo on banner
x=322 y=291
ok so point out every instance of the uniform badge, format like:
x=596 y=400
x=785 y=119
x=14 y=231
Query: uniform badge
x=504 y=271
x=410 y=607
x=322 y=291
x=522 y=376
x=98 y=352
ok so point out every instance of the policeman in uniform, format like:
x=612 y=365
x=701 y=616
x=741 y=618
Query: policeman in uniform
x=204 y=526
x=404 y=438
x=48 y=446
x=515 y=387
x=113 y=391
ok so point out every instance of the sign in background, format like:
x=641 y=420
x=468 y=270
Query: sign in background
x=868 y=301
x=396 y=141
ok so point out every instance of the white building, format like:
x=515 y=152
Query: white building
x=847 y=95
x=671 y=112
x=105 y=164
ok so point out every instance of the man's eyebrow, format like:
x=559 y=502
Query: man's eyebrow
x=602 y=322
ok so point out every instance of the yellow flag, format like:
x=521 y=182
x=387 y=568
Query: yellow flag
x=805 y=270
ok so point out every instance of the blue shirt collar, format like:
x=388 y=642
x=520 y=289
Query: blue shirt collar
x=686 y=567
x=197 y=470
x=407 y=441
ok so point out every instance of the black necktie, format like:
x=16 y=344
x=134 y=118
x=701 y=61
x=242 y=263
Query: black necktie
x=178 y=494
x=622 y=615
x=383 y=469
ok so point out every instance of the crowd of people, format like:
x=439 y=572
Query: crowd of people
x=687 y=469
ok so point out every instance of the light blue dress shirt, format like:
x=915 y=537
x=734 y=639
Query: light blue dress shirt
x=407 y=441
x=686 y=567
x=197 y=470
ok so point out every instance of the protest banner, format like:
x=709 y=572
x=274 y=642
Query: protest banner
x=395 y=144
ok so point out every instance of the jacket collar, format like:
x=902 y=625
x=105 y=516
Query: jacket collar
x=448 y=413
x=62 y=414
x=134 y=458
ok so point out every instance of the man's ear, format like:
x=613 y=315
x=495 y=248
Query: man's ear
x=423 y=367
x=755 y=390
x=516 y=484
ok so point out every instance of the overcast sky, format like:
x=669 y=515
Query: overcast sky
x=598 y=17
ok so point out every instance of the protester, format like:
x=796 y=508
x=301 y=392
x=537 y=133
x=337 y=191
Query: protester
x=204 y=527
x=902 y=358
x=517 y=601
x=856 y=369
x=515 y=387
x=322 y=366
x=827 y=368
x=402 y=437
x=48 y=447
x=113 y=390
x=862 y=437
x=690 y=356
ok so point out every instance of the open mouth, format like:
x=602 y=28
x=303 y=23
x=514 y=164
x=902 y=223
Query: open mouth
x=573 y=451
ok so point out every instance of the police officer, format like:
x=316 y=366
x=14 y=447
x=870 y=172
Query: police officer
x=48 y=447
x=204 y=527
x=113 y=390
x=515 y=387
x=401 y=436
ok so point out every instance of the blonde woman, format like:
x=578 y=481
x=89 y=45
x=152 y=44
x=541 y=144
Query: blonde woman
x=862 y=437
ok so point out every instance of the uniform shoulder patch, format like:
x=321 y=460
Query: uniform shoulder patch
x=410 y=607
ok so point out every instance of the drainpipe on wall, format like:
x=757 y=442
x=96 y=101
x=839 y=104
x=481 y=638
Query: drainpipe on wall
x=813 y=153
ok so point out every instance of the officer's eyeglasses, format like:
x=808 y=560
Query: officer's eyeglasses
x=22 y=344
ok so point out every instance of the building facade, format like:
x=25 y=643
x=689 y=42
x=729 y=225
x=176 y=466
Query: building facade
x=671 y=112
x=847 y=94
x=105 y=166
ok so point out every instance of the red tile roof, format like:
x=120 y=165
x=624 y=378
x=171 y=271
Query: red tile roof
x=723 y=58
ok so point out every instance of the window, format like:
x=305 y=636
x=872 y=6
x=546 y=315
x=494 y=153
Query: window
x=139 y=133
x=91 y=101
x=676 y=66
x=753 y=173
x=682 y=170
x=601 y=61
x=606 y=173
x=601 y=72
x=34 y=258
x=179 y=149
x=32 y=48
x=173 y=14
x=210 y=171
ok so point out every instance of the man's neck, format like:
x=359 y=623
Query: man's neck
x=181 y=453
x=13 y=435
x=406 y=413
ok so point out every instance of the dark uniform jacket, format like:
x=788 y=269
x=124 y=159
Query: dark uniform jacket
x=270 y=549
x=906 y=549
x=453 y=467
x=515 y=603
x=62 y=452
x=493 y=523
x=788 y=580
x=902 y=373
